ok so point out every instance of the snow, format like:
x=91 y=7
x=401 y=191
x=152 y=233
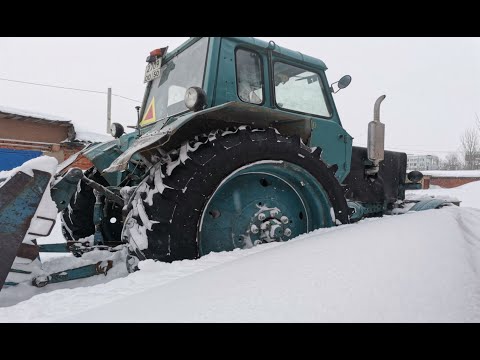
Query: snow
x=452 y=173
x=416 y=267
x=468 y=194
x=43 y=163
x=29 y=113
x=85 y=135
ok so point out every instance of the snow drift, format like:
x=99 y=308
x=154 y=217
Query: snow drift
x=417 y=267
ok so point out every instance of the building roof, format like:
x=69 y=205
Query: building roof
x=17 y=114
x=452 y=173
x=81 y=134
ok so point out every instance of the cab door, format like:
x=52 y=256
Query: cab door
x=242 y=73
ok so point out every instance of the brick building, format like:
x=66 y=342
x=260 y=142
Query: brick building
x=25 y=135
x=449 y=179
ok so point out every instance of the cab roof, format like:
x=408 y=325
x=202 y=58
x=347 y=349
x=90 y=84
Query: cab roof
x=287 y=53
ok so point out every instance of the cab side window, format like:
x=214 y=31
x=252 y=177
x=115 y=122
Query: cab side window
x=249 y=76
x=299 y=90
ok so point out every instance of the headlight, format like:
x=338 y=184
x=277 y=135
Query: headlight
x=116 y=130
x=195 y=98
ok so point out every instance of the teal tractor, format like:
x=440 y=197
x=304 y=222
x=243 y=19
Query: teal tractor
x=238 y=142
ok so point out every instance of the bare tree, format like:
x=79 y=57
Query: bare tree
x=451 y=162
x=470 y=147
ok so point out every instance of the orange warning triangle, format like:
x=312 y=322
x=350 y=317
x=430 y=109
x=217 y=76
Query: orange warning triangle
x=149 y=116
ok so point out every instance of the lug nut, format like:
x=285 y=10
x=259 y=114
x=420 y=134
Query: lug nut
x=261 y=216
x=274 y=213
x=284 y=220
x=287 y=232
x=275 y=231
x=254 y=229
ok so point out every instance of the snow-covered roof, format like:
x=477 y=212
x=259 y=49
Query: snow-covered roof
x=82 y=134
x=452 y=173
x=32 y=114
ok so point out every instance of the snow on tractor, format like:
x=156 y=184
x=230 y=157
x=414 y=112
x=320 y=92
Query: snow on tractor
x=238 y=142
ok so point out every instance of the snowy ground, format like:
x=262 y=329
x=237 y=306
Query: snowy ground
x=417 y=267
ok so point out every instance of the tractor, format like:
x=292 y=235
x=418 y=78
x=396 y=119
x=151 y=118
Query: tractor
x=237 y=143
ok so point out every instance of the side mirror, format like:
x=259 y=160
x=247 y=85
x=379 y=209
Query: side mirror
x=344 y=81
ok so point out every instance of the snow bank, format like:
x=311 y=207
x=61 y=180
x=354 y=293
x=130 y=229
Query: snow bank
x=416 y=267
x=468 y=194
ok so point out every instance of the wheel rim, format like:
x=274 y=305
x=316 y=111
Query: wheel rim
x=263 y=202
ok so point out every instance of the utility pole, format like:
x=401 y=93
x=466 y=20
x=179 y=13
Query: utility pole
x=109 y=109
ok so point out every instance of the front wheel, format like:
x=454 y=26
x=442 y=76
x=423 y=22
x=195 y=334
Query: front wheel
x=232 y=190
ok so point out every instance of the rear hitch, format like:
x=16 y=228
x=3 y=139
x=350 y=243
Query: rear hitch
x=100 y=267
x=110 y=195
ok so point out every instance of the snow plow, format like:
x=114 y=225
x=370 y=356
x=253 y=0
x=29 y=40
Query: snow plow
x=237 y=143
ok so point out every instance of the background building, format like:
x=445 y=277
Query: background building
x=25 y=135
x=422 y=162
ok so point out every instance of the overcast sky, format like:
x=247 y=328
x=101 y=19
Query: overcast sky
x=432 y=84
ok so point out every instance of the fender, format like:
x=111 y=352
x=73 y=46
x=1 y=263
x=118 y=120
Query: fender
x=177 y=129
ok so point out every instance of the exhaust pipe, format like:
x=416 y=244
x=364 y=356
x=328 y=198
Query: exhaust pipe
x=376 y=139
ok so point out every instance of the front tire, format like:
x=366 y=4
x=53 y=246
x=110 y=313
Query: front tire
x=209 y=196
x=77 y=218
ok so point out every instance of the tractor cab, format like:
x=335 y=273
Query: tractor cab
x=243 y=70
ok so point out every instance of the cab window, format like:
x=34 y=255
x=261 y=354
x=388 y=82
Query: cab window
x=299 y=90
x=249 y=76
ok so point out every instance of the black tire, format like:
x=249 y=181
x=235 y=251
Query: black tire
x=77 y=219
x=175 y=212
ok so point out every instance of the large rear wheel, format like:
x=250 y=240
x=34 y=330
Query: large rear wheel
x=232 y=189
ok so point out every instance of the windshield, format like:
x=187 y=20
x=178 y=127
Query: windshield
x=178 y=74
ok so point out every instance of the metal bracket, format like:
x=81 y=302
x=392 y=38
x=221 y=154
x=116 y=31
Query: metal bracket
x=49 y=230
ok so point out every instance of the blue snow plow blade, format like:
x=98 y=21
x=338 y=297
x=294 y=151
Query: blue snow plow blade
x=20 y=197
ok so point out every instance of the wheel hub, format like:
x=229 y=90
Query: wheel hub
x=262 y=203
x=268 y=224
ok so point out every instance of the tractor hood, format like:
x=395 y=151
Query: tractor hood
x=103 y=154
